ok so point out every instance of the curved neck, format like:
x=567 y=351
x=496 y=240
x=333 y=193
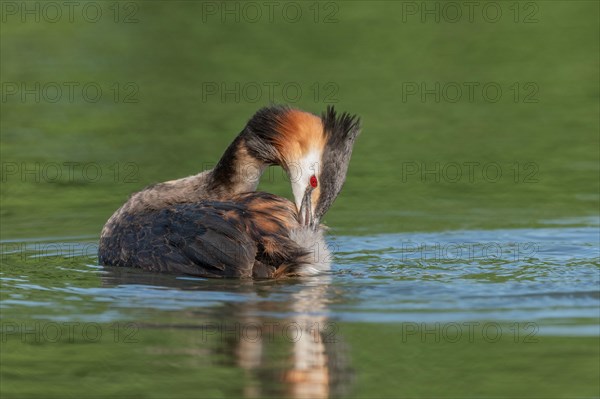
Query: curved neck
x=237 y=171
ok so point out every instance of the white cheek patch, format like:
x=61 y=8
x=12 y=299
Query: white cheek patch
x=300 y=173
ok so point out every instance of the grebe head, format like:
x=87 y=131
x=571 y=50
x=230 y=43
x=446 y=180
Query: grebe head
x=341 y=132
x=314 y=152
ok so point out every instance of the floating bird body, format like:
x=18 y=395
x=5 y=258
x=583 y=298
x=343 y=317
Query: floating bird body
x=214 y=224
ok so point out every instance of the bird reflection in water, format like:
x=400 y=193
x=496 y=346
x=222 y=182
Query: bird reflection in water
x=286 y=347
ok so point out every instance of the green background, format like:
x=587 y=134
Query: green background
x=360 y=56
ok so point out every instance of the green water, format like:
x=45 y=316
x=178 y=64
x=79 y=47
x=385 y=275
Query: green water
x=476 y=216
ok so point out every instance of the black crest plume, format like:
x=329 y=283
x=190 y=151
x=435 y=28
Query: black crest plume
x=341 y=131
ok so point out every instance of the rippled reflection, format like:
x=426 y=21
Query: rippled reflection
x=300 y=355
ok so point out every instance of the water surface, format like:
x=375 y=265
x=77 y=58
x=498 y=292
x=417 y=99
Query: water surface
x=477 y=303
x=445 y=281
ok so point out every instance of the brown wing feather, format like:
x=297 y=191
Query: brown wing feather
x=208 y=239
x=246 y=237
x=272 y=218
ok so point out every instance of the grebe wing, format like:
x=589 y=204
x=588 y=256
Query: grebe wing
x=207 y=239
x=253 y=235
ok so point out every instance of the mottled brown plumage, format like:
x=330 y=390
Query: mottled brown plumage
x=248 y=236
x=214 y=224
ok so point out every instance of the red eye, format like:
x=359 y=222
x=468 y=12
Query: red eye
x=313 y=181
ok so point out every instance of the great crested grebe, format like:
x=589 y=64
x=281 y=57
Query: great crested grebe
x=214 y=224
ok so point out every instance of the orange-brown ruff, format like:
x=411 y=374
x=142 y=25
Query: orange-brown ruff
x=214 y=224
